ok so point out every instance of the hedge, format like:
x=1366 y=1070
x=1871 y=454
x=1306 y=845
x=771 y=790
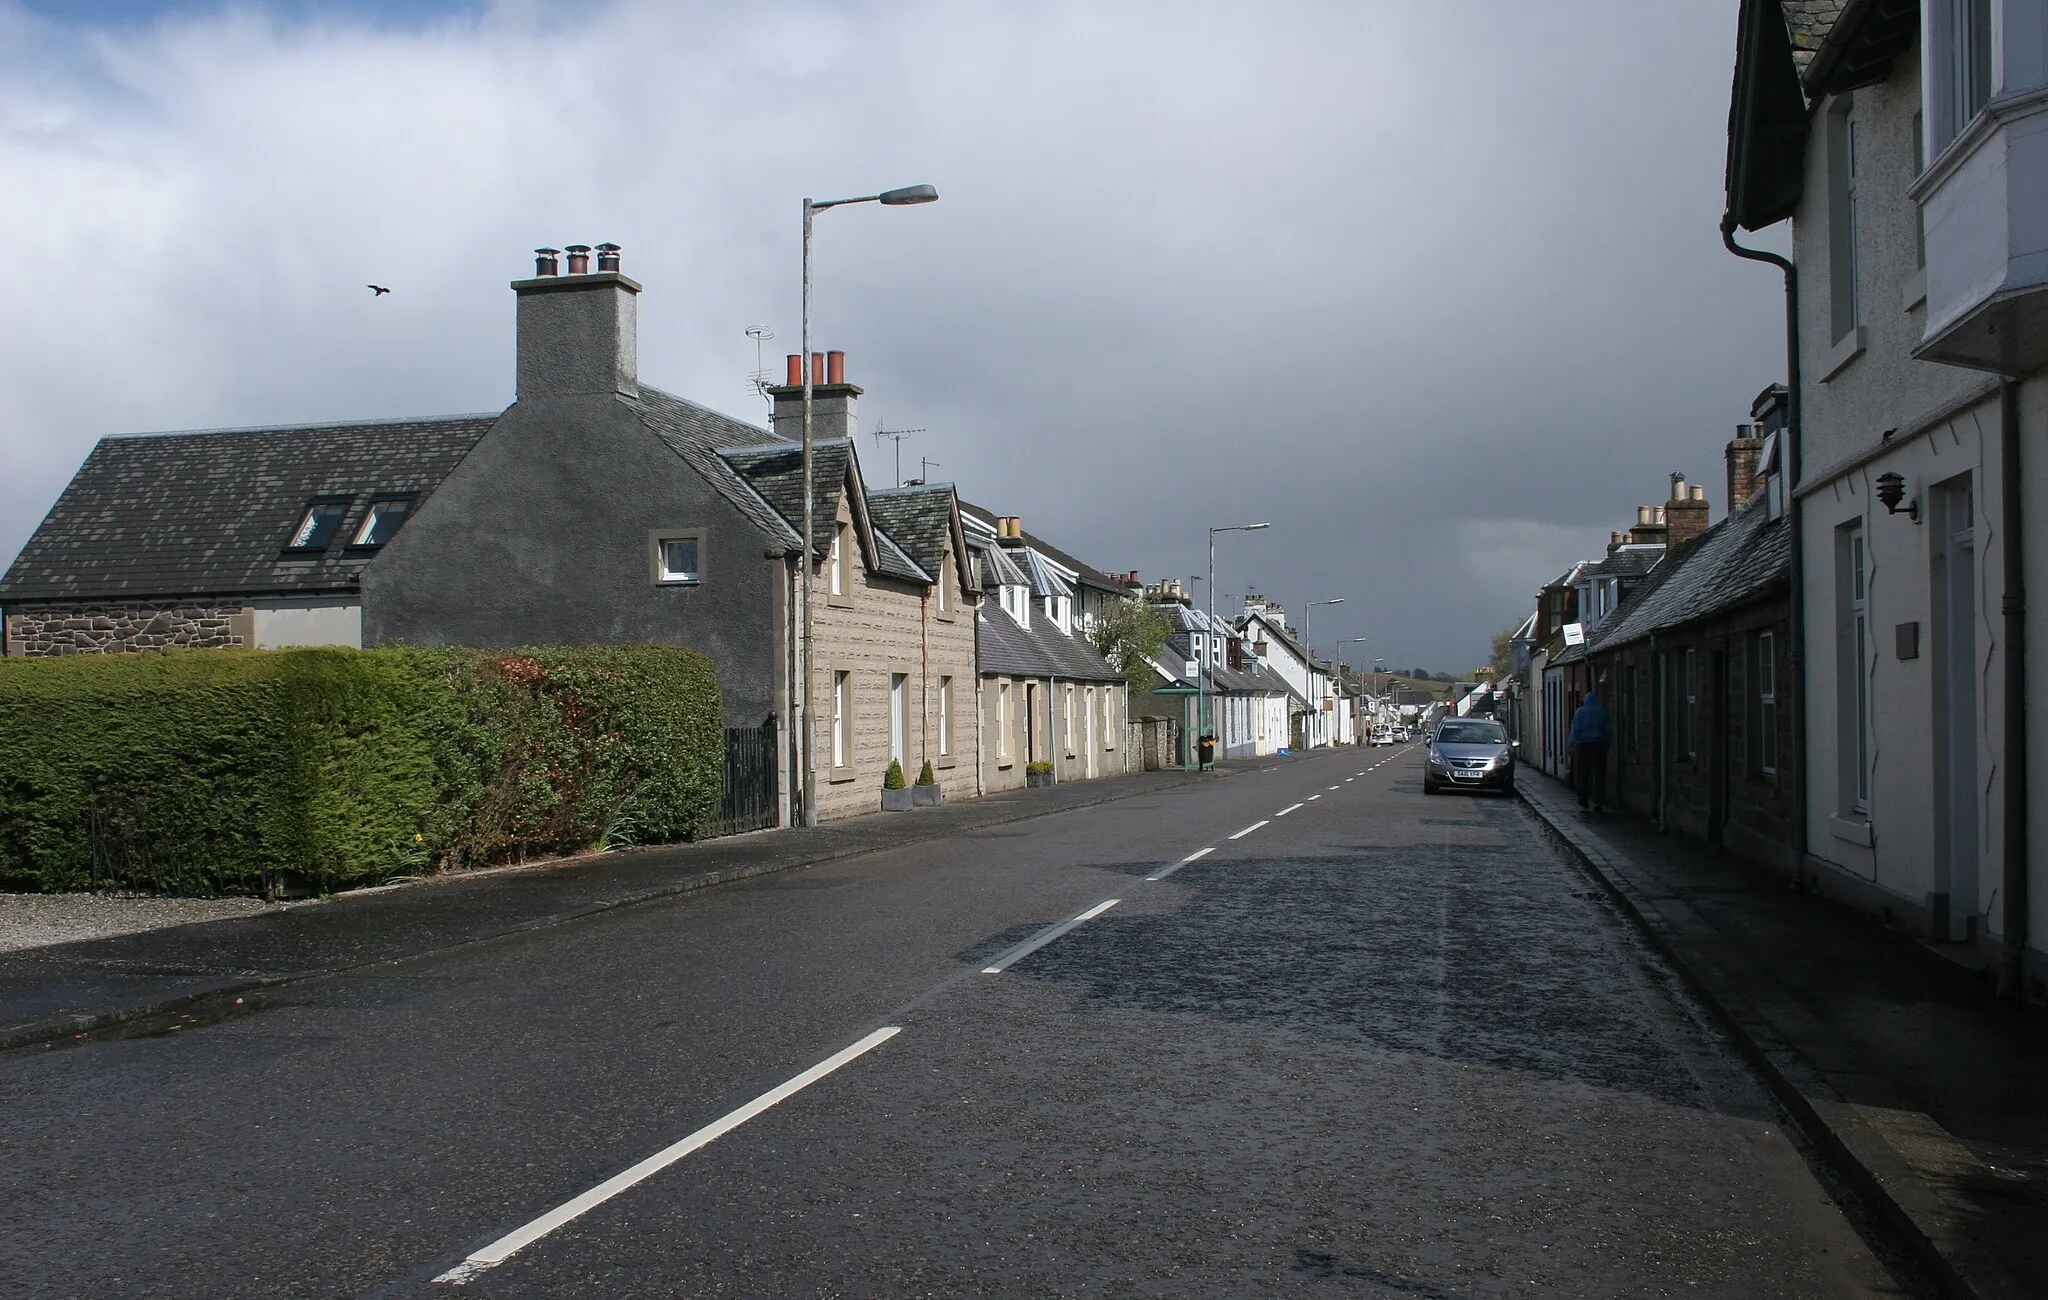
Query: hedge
x=228 y=771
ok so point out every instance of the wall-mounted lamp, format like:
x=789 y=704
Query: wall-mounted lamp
x=1891 y=489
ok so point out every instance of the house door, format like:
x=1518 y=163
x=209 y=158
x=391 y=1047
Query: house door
x=1955 y=895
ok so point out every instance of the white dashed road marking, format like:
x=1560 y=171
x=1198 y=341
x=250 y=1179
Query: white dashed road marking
x=519 y=1238
x=1046 y=936
x=1288 y=809
x=1164 y=872
x=1312 y=798
x=1249 y=829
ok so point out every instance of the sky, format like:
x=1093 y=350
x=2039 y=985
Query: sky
x=1437 y=289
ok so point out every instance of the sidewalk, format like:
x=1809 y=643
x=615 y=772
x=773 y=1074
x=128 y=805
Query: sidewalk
x=1931 y=1098
x=57 y=991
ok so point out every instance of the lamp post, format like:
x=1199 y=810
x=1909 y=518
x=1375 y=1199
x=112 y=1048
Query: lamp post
x=1208 y=624
x=1308 y=654
x=806 y=741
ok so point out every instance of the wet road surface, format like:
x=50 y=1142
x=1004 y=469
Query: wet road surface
x=1381 y=1045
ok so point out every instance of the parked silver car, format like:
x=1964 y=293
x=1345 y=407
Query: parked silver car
x=1469 y=753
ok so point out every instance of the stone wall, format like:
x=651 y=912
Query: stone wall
x=114 y=627
x=878 y=629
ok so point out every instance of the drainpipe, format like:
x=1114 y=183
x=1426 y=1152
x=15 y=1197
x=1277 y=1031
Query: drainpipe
x=2013 y=605
x=1794 y=519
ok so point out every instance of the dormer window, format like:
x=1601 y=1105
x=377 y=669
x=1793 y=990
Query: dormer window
x=381 y=521
x=317 y=526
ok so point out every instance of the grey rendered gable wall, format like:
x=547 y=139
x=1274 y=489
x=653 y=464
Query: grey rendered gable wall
x=540 y=537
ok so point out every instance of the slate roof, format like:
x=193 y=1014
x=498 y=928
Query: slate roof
x=996 y=568
x=697 y=434
x=1008 y=649
x=189 y=514
x=774 y=469
x=1223 y=679
x=919 y=520
x=1625 y=564
x=1090 y=576
x=1808 y=22
x=1736 y=561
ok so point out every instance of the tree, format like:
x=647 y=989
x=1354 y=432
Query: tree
x=1503 y=660
x=1128 y=633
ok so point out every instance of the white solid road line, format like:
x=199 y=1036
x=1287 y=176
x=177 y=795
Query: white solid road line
x=1249 y=829
x=1164 y=872
x=512 y=1242
x=1288 y=809
x=1046 y=936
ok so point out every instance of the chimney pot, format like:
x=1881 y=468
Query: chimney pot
x=1657 y=514
x=796 y=370
x=608 y=257
x=1678 y=487
x=579 y=259
x=817 y=368
x=1642 y=514
x=1699 y=491
x=835 y=367
x=544 y=262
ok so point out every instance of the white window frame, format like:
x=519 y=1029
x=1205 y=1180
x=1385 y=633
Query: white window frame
x=841 y=689
x=1067 y=722
x=1845 y=298
x=1003 y=720
x=945 y=716
x=899 y=685
x=658 y=540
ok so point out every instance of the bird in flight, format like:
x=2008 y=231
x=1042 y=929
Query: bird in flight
x=378 y=291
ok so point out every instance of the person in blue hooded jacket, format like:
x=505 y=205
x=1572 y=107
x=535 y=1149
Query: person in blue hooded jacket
x=1592 y=731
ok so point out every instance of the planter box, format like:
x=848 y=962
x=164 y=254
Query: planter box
x=1034 y=780
x=896 y=800
x=925 y=796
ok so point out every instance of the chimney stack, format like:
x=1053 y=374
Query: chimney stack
x=1743 y=454
x=578 y=334
x=1685 y=514
x=834 y=402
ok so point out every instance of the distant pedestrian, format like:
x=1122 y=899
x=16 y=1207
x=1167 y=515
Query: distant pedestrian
x=1592 y=731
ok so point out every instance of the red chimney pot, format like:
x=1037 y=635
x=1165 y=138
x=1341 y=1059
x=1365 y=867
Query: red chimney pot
x=835 y=367
x=796 y=370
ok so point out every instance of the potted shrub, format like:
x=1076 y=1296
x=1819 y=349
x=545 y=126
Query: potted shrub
x=926 y=793
x=1038 y=773
x=895 y=796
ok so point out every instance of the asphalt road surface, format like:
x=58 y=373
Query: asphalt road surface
x=1381 y=1045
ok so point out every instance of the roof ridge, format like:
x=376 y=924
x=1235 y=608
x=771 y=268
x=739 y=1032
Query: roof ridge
x=307 y=428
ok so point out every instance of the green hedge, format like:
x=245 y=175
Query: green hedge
x=207 y=772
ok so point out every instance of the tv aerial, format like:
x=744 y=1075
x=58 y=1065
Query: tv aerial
x=759 y=380
x=896 y=436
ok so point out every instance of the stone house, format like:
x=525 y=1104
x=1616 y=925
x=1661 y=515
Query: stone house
x=1047 y=695
x=1692 y=669
x=596 y=509
x=1907 y=142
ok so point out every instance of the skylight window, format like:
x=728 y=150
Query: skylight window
x=380 y=521
x=317 y=527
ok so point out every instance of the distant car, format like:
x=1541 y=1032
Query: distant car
x=1405 y=734
x=1382 y=735
x=1469 y=753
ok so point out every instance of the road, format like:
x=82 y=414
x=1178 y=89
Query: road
x=1382 y=1045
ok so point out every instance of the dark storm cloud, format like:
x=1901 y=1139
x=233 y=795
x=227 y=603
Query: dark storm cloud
x=1437 y=289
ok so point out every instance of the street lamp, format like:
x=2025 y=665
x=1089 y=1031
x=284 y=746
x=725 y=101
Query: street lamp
x=1308 y=654
x=807 y=742
x=1208 y=625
